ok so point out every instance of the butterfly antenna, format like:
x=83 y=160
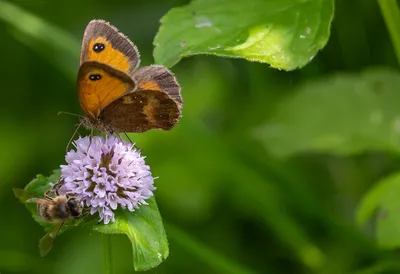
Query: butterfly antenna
x=127 y=136
x=72 y=137
x=70 y=113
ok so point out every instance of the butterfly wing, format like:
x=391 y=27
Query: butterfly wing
x=159 y=78
x=140 y=111
x=156 y=103
x=103 y=43
x=99 y=85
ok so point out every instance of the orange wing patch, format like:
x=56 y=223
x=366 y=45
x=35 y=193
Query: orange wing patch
x=150 y=109
x=99 y=86
x=150 y=85
x=106 y=54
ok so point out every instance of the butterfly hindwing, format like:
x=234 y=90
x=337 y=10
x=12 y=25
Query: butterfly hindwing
x=99 y=85
x=103 y=43
x=157 y=77
x=154 y=104
x=140 y=111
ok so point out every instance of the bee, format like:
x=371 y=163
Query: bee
x=57 y=210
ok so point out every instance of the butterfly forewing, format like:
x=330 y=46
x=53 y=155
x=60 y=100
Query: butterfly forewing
x=99 y=85
x=103 y=42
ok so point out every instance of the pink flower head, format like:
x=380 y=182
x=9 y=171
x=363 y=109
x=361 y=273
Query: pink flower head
x=105 y=174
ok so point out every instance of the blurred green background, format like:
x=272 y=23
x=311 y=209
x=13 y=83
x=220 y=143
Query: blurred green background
x=229 y=205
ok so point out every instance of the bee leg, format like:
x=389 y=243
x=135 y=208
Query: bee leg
x=54 y=190
x=69 y=194
x=57 y=187
x=47 y=196
x=82 y=216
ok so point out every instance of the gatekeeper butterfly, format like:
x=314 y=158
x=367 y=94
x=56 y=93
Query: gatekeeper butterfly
x=115 y=95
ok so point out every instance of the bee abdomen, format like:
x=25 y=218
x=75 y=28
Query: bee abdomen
x=44 y=212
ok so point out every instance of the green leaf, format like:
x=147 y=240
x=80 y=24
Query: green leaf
x=39 y=186
x=145 y=230
x=287 y=34
x=383 y=197
x=53 y=43
x=341 y=114
x=374 y=198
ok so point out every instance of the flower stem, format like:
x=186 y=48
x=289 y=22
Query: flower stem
x=391 y=14
x=108 y=264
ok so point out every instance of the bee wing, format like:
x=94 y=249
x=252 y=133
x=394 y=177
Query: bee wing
x=47 y=242
x=38 y=201
x=27 y=197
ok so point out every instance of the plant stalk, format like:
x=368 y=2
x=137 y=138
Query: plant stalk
x=391 y=13
x=108 y=264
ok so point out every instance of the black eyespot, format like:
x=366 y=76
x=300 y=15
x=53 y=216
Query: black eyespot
x=98 y=47
x=94 y=77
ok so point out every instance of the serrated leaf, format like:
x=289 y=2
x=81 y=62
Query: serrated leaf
x=145 y=230
x=287 y=34
x=340 y=114
x=383 y=197
x=39 y=186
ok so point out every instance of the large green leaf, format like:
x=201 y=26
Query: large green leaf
x=384 y=198
x=341 y=114
x=145 y=230
x=287 y=34
x=38 y=187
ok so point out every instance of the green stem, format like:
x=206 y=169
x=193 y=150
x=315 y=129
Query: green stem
x=391 y=14
x=108 y=265
x=217 y=261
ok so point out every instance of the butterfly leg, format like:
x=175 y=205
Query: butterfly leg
x=118 y=136
x=127 y=136
x=72 y=137
x=90 y=140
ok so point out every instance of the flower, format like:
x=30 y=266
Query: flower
x=106 y=173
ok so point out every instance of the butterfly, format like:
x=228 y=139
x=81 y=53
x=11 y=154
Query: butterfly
x=115 y=94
